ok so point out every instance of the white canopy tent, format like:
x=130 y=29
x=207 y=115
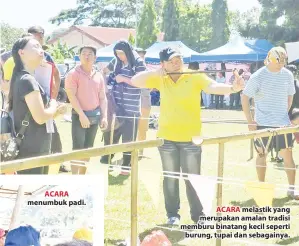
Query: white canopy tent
x=293 y=51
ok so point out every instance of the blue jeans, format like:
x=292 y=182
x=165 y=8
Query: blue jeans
x=177 y=156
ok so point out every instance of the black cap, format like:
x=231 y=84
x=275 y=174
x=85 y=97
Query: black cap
x=168 y=53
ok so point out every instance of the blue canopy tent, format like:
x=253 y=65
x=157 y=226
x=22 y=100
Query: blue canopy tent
x=104 y=54
x=259 y=44
x=152 y=53
x=238 y=50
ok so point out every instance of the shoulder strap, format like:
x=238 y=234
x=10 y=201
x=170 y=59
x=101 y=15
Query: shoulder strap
x=25 y=124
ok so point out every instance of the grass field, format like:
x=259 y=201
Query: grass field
x=117 y=208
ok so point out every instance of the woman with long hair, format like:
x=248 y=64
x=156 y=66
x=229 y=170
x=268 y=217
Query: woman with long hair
x=127 y=97
x=27 y=97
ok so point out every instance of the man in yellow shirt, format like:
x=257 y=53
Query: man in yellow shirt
x=179 y=121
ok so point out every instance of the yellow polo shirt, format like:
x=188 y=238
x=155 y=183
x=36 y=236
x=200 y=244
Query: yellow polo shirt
x=180 y=105
x=8 y=68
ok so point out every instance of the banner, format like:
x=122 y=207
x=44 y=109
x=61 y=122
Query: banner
x=293 y=51
x=262 y=193
x=205 y=188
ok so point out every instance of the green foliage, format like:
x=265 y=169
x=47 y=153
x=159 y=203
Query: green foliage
x=170 y=25
x=106 y=13
x=268 y=27
x=147 y=29
x=131 y=39
x=195 y=27
x=245 y=23
x=60 y=52
x=220 y=23
x=9 y=35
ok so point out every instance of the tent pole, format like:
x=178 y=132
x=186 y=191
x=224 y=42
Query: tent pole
x=17 y=208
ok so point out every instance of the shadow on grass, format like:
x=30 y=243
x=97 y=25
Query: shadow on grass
x=277 y=202
x=172 y=234
x=119 y=180
x=118 y=242
x=288 y=241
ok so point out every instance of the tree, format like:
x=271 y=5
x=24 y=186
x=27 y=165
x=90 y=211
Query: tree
x=220 y=23
x=170 y=25
x=9 y=35
x=268 y=26
x=131 y=39
x=106 y=13
x=60 y=52
x=147 y=29
x=195 y=27
x=159 y=12
x=245 y=23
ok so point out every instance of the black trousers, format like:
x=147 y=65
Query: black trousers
x=56 y=146
x=234 y=98
x=128 y=132
x=217 y=99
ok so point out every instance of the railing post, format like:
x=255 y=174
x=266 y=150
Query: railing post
x=251 y=150
x=134 y=194
x=219 y=185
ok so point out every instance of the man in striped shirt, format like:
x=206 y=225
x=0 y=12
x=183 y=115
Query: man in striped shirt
x=127 y=97
x=272 y=88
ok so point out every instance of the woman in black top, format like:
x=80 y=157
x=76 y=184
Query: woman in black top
x=26 y=95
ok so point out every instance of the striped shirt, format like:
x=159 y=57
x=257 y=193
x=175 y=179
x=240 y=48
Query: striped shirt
x=127 y=96
x=270 y=92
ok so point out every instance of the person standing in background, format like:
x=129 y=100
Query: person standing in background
x=146 y=104
x=273 y=89
x=235 y=97
x=39 y=33
x=27 y=99
x=86 y=91
x=127 y=97
x=220 y=79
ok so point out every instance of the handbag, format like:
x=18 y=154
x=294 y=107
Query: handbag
x=10 y=141
x=94 y=116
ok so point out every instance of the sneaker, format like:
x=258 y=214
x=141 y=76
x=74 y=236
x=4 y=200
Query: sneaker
x=200 y=222
x=173 y=221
